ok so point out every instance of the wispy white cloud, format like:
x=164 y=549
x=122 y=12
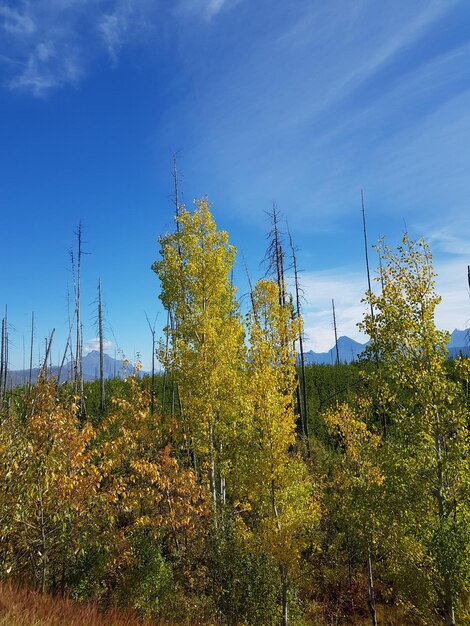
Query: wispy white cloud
x=113 y=29
x=52 y=43
x=94 y=344
x=452 y=286
x=347 y=288
x=451 y=239
x=408 y=33
x=47 y=43
x=125 y=23
x=206 y=9
x=347 y=67
x=320 y=288
x=44 y=69
x=15 y=22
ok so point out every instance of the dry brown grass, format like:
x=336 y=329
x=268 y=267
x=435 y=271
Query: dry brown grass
x=23 y=607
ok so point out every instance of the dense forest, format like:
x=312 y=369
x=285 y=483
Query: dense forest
x=240 y=486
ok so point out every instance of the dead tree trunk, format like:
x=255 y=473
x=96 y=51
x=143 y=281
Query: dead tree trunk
x=64 y=356
x=2 y=359
x=101 y=339
x=370 y=585
x=366 y=250
x=78 y=365
x=46 y=351
x=370 y=590
x=43 y=372
x=152 y=389
x=275 y=255
x=165 y=371
x=303 y=386
x=336 y=333
x=31 y=351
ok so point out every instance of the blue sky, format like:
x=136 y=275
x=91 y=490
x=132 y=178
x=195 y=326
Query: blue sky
x=301 y=102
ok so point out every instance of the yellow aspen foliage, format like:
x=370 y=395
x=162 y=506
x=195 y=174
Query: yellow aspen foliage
x=48 y=484
x=144 y=488
x=356 y=476
x=207 y=337
x=422 y=414
x=277 y=499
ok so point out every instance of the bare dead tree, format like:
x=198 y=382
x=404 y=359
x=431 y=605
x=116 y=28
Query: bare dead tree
x=4 y=357
x=370 y=573
x=2 y=362
x=43 y=371
x=78 y=364
x=173 y=391
x=68 y=346
x=165 y=375
x=24 y=362
x=336 y=332
x=250 y=286
x=31 y=350
x=46 y=352
x=176 y=199
x=274 y=258
x=152 y=389
x=7 y=347
x=366 y=251
x=101 y=339
x=303 y=383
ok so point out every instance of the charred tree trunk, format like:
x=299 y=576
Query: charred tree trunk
x=43 y=372
x=2 y=360
x=101 y=339
x=370 y=590
x=152 y=388
x=78 y=365
x=336 y=332
x=303 y=386
x=370 y=580
x=31 y=351
x=165 y=371
x=6 y=355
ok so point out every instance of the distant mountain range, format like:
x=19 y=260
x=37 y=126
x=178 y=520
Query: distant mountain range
x=350 y=350
x=113 y=368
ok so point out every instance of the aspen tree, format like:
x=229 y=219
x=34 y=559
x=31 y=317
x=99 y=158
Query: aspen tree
x=426 y=451
x=48 y=481
x=207 y=339
x=278 y=496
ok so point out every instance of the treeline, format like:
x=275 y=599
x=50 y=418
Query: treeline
x=238 y=488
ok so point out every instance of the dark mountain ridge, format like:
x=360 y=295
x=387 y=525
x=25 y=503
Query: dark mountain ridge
x=350 y=350
x=113 y=368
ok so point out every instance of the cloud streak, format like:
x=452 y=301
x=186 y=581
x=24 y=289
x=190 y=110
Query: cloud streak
x=94 y=344
x=348 y=288
x=205 y=9
x=46 y=45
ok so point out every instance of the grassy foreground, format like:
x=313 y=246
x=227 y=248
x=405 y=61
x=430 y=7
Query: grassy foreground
x=23 y=607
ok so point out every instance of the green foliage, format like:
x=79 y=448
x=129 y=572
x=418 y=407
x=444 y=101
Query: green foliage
x=207 y=509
